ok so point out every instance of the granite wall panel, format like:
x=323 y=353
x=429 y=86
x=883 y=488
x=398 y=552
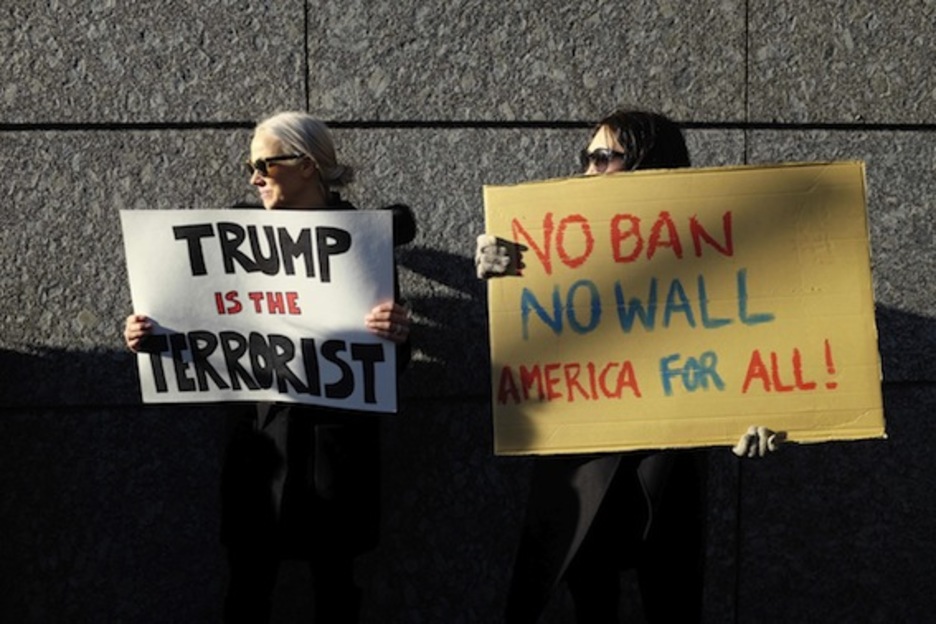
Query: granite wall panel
x=98 y=61
x=477 y=60
x=842 y=61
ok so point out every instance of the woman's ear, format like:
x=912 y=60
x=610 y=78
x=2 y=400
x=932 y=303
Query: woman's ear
x=308 y=168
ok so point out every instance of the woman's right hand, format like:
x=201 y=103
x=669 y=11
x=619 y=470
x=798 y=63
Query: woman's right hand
x=491 y=258
x=136 y=328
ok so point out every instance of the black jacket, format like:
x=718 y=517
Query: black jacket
x=300 y=478
x=650 y=506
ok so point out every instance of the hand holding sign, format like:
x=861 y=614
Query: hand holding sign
x=758 y=442
x=136 y=328
x=389 y=320
x=496 y=257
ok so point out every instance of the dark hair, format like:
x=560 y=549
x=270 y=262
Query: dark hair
x=650 y=140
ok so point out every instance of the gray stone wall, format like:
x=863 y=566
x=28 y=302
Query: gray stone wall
x=109 y=509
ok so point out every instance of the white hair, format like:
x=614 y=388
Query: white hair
x=304 y=134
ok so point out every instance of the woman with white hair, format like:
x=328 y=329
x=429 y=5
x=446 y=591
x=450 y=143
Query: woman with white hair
x=299 y=481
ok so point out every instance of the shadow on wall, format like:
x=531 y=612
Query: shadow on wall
x=106 y=512
x=907 y=343
x=101 y=496
x=450 y=331
x=45 y=377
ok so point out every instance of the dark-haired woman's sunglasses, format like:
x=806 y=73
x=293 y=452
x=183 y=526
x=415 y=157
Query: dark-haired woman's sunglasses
x=262 y=165
x=600 y=158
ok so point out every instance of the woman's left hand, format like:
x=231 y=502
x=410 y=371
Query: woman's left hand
x=759 y=442
x=389 y=320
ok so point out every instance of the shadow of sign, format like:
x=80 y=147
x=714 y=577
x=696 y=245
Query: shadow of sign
x=450 y=326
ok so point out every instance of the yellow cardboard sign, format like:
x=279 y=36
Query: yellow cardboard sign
x=663 y=309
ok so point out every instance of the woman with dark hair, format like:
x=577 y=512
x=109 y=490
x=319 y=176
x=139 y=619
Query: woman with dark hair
x=630 y=140
x=590 y=516
x=300 y=481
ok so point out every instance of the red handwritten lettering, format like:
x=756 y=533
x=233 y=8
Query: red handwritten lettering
x=672 y=236
x=564 y=255
x=699 y=234
x=558 y=381
x=544 y=253
x=228 y=303
x=275 y=302
x=770 y=377
x=618 y=237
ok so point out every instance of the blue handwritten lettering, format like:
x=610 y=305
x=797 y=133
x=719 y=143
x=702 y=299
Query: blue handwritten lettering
x=529 y=302
x=748 y=319
x=594 y=307
x=676 y=291
x=629 y=310
x=695 y=373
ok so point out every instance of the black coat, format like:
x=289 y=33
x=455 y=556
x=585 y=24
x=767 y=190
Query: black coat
x=298 y=479
x=634 y=510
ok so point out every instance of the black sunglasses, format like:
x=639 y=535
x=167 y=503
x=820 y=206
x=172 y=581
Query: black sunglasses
x=263 y=164
x=600 y=157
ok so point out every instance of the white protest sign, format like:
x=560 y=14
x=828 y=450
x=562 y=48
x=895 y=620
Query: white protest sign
x=256 y=305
